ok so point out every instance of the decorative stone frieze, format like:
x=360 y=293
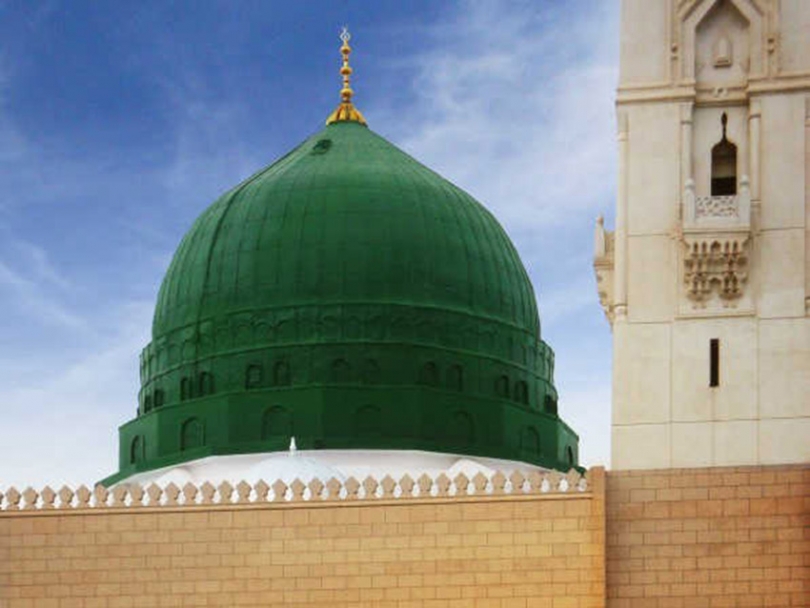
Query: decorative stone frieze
x=716 y=206
x=715 y=264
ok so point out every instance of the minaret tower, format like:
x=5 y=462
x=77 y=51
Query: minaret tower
x=706 y=278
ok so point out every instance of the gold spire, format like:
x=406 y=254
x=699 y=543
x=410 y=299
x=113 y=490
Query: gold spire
x=346 y=112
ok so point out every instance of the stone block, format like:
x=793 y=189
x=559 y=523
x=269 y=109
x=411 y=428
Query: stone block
x=641 y=374
x=652 y=275
x=784 y=441
x=643 y=52
x=782 y=143
x=784 y=364
x=735 y=442
x=641 y=446
x=692 y=444
x=736 y=396
x=779 y=273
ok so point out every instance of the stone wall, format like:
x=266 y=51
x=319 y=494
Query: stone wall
x=439 y=543
x=732 y=536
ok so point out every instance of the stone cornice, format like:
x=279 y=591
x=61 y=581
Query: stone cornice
x=663 y=92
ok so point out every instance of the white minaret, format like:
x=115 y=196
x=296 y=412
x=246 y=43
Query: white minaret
x=706 y=278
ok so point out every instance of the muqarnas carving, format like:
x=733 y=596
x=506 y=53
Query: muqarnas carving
x=716 y=266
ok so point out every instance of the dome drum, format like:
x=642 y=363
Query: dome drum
x=391 y=364
x=342 y=417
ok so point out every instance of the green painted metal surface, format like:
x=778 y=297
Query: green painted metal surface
x=351 y=297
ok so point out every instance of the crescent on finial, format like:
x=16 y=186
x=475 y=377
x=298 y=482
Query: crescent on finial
x=345 y=36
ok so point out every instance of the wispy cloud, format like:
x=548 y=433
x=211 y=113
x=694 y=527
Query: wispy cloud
x=32 y=297
x=513 y=101
x=567 y=300
x=207 y=149
x=40 y=264
x=60 y=411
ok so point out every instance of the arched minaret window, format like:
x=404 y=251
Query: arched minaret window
x=724 y=165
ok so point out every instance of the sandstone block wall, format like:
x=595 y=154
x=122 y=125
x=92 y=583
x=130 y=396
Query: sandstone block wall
x=706 y=538
x=735 y=536
x=489 y=550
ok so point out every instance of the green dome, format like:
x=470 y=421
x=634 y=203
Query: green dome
x=353 y=298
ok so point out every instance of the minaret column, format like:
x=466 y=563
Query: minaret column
x=807 y=206
x=686 y=143
x=754 y=120
x=620 y=277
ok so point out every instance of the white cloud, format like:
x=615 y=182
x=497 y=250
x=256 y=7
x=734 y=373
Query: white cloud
x=60 y=411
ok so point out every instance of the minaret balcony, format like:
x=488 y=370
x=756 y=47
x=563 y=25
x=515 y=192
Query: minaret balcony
x=727 y=212
x=716 y=237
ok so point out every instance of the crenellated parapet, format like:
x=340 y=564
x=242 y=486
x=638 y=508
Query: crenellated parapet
x=424 y=487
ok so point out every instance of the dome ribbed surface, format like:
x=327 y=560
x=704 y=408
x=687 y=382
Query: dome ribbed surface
x=354 y=220
x=352 y=297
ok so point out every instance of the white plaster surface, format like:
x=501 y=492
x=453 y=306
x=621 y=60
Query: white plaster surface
x=307 y=465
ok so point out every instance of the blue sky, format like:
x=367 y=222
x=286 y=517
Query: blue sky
x=120 y=122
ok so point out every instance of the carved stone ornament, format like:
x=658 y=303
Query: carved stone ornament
x=716 y=235
x=603 y=266
x=715 y=265
x=732 y=212
x=723 y=54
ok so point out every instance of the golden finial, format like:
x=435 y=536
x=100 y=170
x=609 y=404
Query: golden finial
x=346 y=112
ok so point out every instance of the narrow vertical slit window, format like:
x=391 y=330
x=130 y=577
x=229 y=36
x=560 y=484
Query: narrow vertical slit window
x=714 y=362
